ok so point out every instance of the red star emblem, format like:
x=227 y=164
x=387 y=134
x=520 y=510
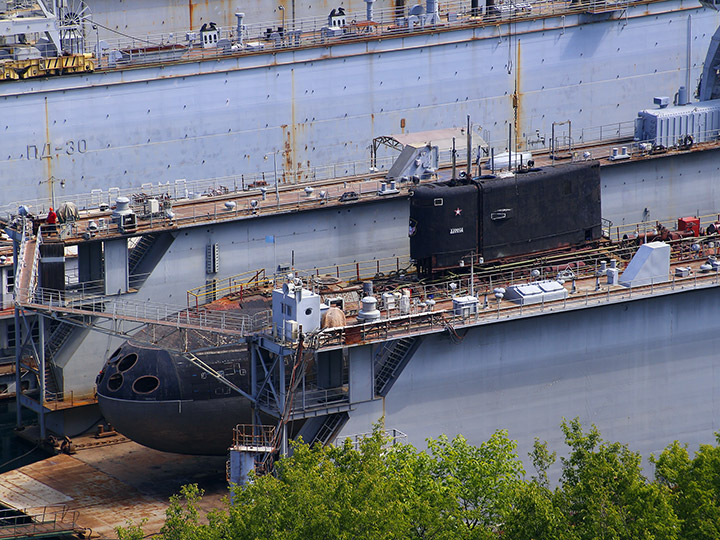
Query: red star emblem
x=458 y=211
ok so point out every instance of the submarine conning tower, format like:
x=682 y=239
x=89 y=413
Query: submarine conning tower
x=492 y=217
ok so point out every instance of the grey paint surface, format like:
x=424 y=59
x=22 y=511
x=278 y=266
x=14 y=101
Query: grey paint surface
x=323 y=105
x=329 y=236
x=644 y=372
x=140 y=17
x=360 y=232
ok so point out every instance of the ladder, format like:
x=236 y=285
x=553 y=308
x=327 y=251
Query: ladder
x=58 y=338
x=391 y=360
x=137 y=253
x=328 y=429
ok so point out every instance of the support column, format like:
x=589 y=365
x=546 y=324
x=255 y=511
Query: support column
x=18 y=360
x=362 y=378
x=241 y=463
x=41 y=354
x=282 y=393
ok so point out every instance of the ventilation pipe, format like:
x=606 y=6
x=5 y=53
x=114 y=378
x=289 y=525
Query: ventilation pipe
x=240 y=27
x=369 y=7
x=433 y=13
x=399 y=9
x=682 y=98
x=367 y=288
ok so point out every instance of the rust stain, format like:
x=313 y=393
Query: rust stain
x=517 y=98
x=289 y=150
x=197 y=11
x=229 y=11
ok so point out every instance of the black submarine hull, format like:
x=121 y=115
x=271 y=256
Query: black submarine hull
x=163 y=401
x=181 y=426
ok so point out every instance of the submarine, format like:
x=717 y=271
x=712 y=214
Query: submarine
x=164 y=400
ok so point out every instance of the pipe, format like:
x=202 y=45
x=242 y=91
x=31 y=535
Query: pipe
x=240 y=16
x=369 y=9
x=468 y=171
x=689 y=56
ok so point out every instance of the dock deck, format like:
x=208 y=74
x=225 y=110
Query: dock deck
x=109 y=486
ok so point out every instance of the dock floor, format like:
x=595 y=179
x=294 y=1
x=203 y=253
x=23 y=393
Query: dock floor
x=111 y=485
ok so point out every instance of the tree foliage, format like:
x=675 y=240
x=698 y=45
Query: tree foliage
x=605 y=493
x=454 y=490
x=695 y=487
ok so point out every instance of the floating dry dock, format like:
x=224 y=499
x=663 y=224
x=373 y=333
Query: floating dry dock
x=162 y=258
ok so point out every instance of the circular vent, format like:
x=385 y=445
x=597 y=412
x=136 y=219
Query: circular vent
x=115 y=381
x=127 y=362
x=146 y=384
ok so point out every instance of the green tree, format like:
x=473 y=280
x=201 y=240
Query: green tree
x=131 y=531
x=605 y=495
x=695 y=488
x=182 y=518
x=334 y=493
x=481 y=479
x=428 y=502
x=537 y=511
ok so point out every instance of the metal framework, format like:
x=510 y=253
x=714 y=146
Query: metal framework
x=283 y=385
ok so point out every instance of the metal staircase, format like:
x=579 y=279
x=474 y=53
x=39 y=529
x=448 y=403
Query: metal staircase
x=390 y=360
x=328 y=428
x=53 y=345
x=143 y=258
x=141 y=249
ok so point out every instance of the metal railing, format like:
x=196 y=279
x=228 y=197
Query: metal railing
x=254 y=436
x=319 y=398
x=116 y=307
x=45 y=521
x=186 y=190
x=239 y=283
x=182 y=191
x=312 y=31
x=390 y=436
x=59 y=400
x=422 y=321
x=252 y=280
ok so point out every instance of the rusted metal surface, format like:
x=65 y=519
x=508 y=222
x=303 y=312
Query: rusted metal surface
x=111 y=485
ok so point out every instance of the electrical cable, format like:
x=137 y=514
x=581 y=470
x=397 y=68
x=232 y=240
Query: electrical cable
x=3 y=465
x=122 y=33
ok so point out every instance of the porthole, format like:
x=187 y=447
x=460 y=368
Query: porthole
x=308 y=311
x=115 y=382
x=146 y=384
x=127 y=361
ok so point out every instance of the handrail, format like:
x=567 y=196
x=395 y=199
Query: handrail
x=183 y=190
x=117 y=307
x=355 y=271
x=420 y=322
x=177 y=46
x=38 y=522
